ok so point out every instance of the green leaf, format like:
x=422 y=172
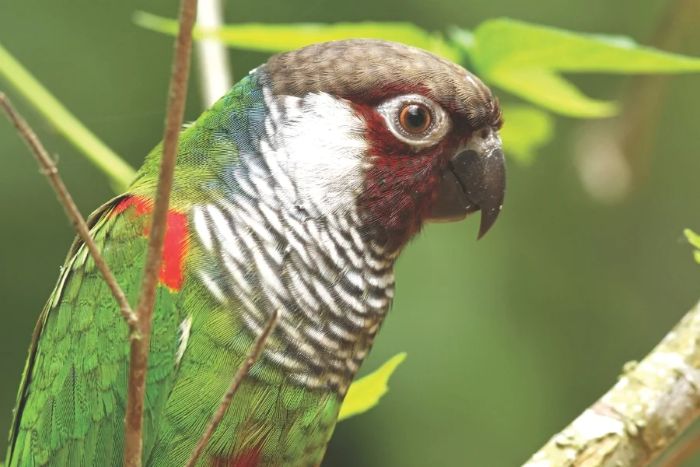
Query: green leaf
x=526 y=130
x=694 y=240
x=118 y=171
x=366 y=392
x=522 y=58
x=527 y=59
x=282 y=37
x=518 y=44
x=552 y=92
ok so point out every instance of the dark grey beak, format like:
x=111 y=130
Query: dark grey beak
x=475 y=179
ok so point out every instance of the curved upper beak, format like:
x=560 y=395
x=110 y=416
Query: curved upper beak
x=474 y=179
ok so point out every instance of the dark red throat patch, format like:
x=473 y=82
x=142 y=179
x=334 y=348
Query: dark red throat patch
x=400 y=186
x=175 y=244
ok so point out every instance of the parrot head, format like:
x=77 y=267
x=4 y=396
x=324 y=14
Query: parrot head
x=402 y=135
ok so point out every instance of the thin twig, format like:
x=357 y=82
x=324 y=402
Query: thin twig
x=214 y=66
x=138 y=363
x=236 y=381
x=48 y=168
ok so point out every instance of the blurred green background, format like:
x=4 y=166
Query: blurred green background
x=508 y=338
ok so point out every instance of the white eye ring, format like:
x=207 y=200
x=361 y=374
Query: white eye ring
x=437 y=129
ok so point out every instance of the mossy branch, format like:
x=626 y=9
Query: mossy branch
x=649 y=407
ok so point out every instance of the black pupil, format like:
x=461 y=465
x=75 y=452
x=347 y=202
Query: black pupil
x=416 y=116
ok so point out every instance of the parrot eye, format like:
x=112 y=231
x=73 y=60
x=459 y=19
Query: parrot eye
x=415 y=119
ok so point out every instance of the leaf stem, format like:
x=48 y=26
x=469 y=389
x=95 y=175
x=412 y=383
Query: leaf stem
x=118 y=171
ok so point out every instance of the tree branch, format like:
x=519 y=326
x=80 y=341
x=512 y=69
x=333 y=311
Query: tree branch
x=236 y=381
x=138 y=363
x=649 y=407
x=48 y=168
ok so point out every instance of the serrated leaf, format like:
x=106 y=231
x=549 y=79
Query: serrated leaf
x=526 y=130
x=694 y=240
x=366 y=392
x=282 y=37
x=527 y=59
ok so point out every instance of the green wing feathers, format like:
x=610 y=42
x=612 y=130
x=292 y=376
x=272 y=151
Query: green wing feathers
x=71 y=401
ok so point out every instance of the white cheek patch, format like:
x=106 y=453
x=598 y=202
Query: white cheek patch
x=319 y=144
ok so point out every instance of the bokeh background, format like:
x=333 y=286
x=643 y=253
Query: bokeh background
x=508 y=338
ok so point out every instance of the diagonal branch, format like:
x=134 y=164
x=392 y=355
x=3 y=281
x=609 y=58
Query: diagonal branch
x=48 y=167
x=653 y=402
x=236 y=381
x=138 y=363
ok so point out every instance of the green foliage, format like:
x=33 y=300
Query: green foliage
x=366 y=392
x=523 y=59
x=694 y=240
x=273 y=38
x=527 y=59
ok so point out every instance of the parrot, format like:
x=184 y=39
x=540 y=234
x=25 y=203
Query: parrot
x=293 y=195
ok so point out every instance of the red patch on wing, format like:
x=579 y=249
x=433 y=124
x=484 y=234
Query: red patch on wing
x=142 y=205
x=250 y=458
x=174 y=250
x=175 y=244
